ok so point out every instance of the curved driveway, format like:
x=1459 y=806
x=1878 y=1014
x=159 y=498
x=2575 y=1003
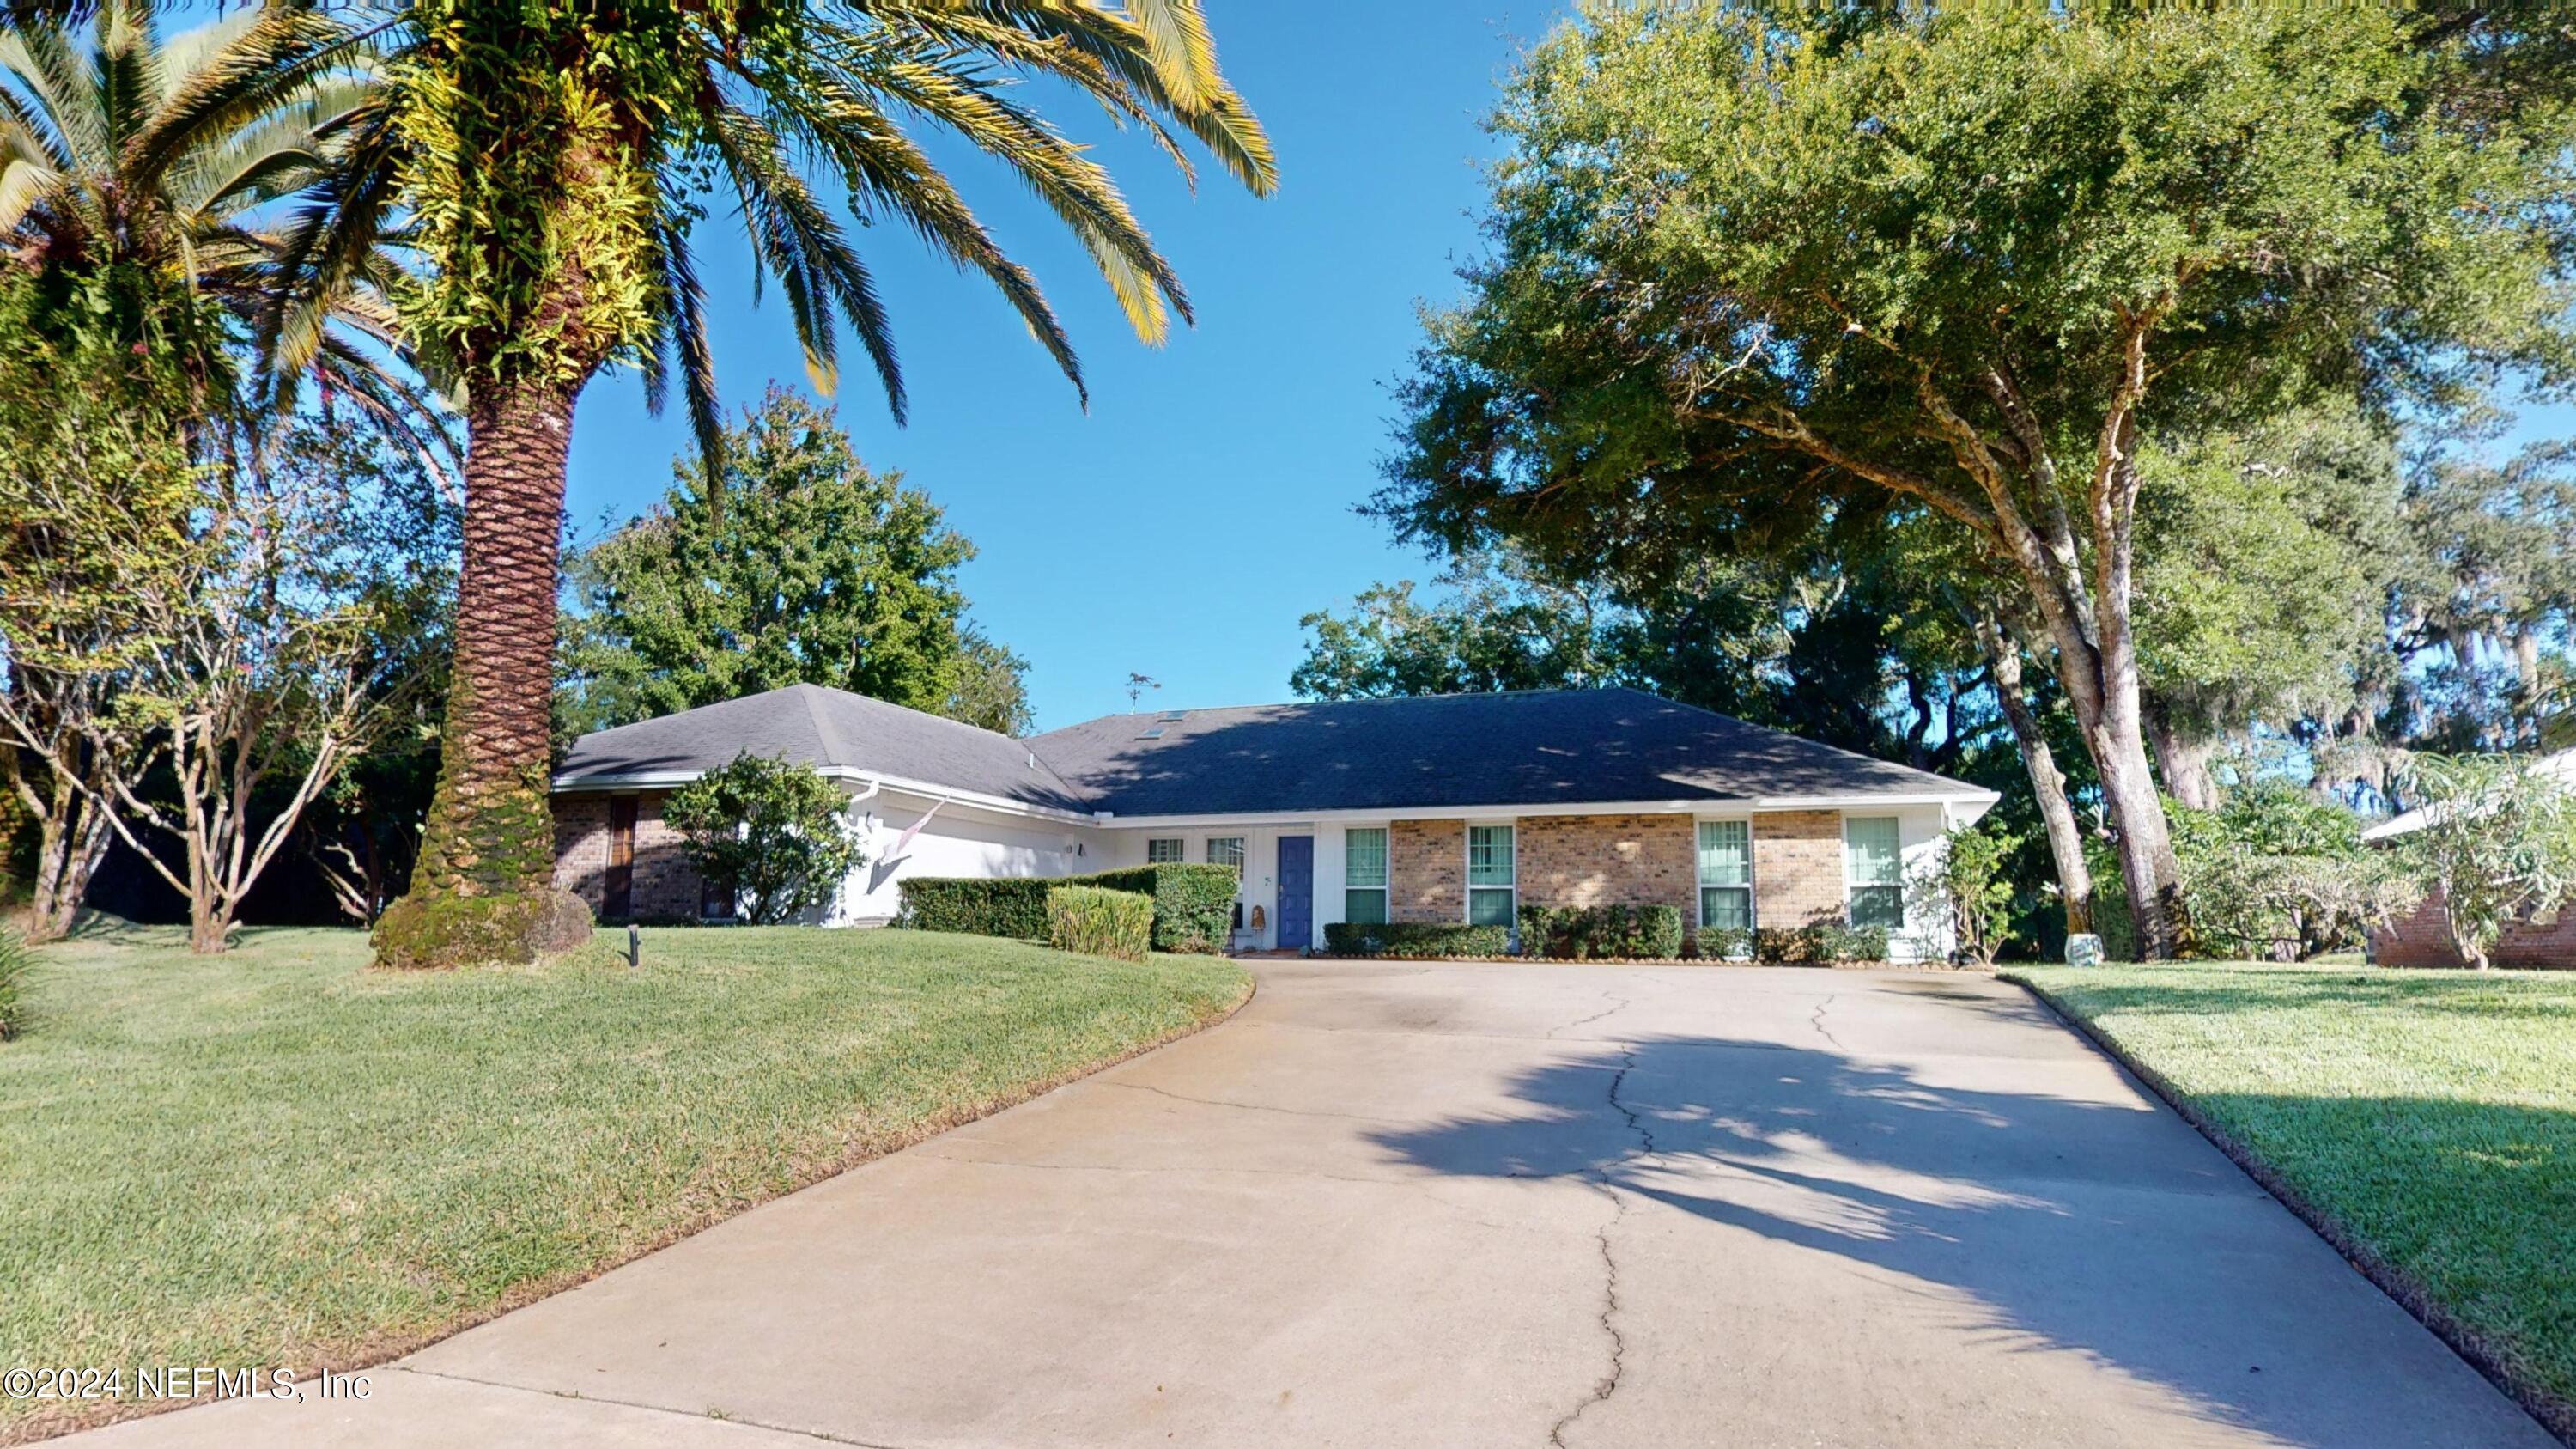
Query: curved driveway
x=1493 y=1205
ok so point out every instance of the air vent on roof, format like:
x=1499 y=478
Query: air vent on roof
x=1173 y=716
x=1155 y=733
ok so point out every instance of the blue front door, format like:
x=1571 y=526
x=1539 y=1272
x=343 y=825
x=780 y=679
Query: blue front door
x=1296 y=913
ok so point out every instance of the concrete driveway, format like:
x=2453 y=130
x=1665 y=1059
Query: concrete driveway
x=1492 y=1205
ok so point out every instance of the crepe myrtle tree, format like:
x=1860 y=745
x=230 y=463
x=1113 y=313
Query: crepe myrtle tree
x=1752 y=265
x=547 y=165
x=2498 y=845
x=773 y=834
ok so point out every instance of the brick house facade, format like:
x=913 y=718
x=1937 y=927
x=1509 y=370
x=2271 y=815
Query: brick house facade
x=663 y=886
x=2422 y=938
x=1327 y=811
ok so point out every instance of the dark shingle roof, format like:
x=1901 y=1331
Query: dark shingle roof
x=1539 y=747
x=813 y=725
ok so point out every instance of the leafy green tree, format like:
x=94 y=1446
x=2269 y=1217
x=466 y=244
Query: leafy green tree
x=814 y=570
x=774 y=834
x=2265 y=562
x=1498 y=625
x=1967 y=883
x=2498 y=844
x=547 y=163
x=1966 y=262
x=2276 y=872
x=101 y=389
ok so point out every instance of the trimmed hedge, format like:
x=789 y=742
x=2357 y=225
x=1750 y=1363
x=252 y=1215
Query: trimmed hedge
x=1193 y=904
x=1097 y=921
x=1820 y=943
x=1416 y=938
x=1574 y=932
x=1014 y=906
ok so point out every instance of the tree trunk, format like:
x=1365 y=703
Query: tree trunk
x=2183 y=760
x=483 y=887
x=71 y=840
x=2148 y=867
x=2047 y=782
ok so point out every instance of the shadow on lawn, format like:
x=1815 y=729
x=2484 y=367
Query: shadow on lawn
x=2031 y=1206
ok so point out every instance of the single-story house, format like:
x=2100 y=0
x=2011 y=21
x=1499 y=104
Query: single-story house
x=2422 y=936
x=1446 y=808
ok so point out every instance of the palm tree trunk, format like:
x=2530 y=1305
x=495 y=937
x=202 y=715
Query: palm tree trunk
x=483 y=890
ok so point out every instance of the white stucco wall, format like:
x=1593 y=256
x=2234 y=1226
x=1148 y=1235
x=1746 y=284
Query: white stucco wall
x=960 y=840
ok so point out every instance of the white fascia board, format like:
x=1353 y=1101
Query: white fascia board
x=667 y=779
x=1978 y=801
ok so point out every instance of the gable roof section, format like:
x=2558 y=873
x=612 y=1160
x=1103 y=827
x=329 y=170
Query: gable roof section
x=825 y=728
x=1537 y=747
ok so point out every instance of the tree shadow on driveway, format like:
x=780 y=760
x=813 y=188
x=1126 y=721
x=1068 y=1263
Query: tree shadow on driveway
x=2098 y=1227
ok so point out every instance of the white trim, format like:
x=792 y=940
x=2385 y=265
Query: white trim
x=1467 y=894
x=1731 y=809
x=664 y=779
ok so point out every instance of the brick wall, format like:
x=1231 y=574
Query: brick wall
x=1610 y=860
x=581 y=846
x=2422 y=938
x=1797 y=867
x=1426 y=869
x=666 y=886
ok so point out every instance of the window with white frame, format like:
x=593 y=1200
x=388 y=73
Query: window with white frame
x=1364 y=876
x=1166 y=852
x=1228 y=850
x=1726 y=874
x=1874 y=871
x=1492 y=879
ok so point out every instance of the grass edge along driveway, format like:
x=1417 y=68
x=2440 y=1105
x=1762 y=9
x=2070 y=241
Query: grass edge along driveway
x=2423 y=1121
x=281 y=1157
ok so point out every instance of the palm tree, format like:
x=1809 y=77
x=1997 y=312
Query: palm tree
x=133 y=174
x=158 y=157
x=548 y=161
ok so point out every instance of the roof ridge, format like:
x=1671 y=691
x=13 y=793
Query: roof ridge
x=1363 y=699
x=828 y=737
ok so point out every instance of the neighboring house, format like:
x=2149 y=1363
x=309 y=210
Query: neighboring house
x=2422 y=936
x=1450 y=808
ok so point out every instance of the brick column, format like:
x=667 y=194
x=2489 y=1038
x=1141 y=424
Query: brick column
x=1426 y=870
x=1797 y=868
x=581 y=846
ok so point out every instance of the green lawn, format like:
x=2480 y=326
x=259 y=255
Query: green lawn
x=2431 y=1115
x=279 y=1156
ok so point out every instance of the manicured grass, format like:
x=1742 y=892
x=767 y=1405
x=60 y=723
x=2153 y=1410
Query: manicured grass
x=279 y=1156
x=2429 y=1116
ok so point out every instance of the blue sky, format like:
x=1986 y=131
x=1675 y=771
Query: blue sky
x=1204 y=502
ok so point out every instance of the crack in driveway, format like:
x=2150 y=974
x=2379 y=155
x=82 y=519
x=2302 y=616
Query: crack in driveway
x=1608 y=1384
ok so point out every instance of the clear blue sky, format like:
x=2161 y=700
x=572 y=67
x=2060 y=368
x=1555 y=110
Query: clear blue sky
x=1204 y=503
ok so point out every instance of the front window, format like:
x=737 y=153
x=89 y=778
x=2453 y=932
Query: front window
x=1364 y=877
x=1874 y=872
x=1227 y=850
x=1726 y=874
x=1166 y=852
x=1491 y=881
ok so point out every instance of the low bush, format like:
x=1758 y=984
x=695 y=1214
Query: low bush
x=1724 y=943
x=15 y=958
x=1820 y=943
x=1096 y=921
x=1193 y=904
x=1415 y=938
x=1630 y=932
